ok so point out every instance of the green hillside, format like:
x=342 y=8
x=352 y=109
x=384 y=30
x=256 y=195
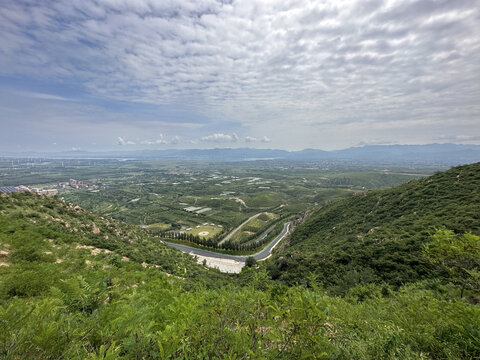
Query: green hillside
x=74 y=285
x=48 y=229
x=378 y=236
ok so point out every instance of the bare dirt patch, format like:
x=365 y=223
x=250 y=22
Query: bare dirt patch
x=95 y=229
x=93 y=249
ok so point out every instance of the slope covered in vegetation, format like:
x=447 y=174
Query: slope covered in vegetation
x=378 y=236
x=67 y=291
x=42 y=228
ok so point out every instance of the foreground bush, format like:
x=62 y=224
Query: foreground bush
x=159 y=319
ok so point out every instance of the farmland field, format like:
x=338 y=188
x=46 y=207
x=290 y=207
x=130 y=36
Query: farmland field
x=254 y=227
x=187 y=197
x=206 y=231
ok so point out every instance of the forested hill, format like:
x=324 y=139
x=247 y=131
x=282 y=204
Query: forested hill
x=378 y=236
x=47 y=229
x=74 y=285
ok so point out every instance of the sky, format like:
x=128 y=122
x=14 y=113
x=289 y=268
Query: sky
x=101 y=75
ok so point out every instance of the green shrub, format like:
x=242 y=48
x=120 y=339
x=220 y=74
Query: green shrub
x=250 y=261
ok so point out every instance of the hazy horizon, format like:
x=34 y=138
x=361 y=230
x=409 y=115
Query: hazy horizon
x=236 y=148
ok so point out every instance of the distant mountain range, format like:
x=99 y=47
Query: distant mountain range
x=446 y=154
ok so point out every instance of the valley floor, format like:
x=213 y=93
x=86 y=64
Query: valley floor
x=230 y=263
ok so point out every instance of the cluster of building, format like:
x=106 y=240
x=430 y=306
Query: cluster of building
x=72 y=184
x=75 y=184
x=45 y=191
x=20 y=188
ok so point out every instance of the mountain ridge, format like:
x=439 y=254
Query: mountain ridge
x=447 y=154
x=378 y=236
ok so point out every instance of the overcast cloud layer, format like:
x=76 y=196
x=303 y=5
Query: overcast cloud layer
x=203 y=73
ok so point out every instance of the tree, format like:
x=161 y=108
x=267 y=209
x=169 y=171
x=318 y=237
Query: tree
x=250 y=261
x=459 y=254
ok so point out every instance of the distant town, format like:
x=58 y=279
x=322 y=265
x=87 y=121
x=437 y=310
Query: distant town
x=72 y=184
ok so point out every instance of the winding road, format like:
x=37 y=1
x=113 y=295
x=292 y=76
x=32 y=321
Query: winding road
x=263 y=254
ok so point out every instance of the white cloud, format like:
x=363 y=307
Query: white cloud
x=303 y=66
x=153 y=142
x=469 y=139
x=121 y=141
x=219 y=137
x=265 y=139
x=158 y=141
x=43 y=96
x=162 y=140
x=175 y=140
x=186 y=125
x=250 y=139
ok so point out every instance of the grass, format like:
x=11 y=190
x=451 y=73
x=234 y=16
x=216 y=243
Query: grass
x=254 y=225
x=212 y=230
x=159 y=227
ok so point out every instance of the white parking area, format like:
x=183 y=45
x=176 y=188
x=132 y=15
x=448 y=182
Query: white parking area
x=224 y=265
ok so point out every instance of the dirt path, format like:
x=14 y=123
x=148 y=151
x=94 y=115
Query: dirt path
x=239 y=201
x=229 y=236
